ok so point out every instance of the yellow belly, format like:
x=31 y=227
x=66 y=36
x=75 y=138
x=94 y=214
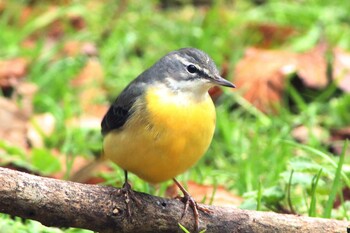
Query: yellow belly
x=163 y=138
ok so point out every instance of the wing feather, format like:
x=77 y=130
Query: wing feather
x=120 y=111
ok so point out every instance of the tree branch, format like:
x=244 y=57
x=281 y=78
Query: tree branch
x=67 y=204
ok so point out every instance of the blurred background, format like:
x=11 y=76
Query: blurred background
x=280 y=142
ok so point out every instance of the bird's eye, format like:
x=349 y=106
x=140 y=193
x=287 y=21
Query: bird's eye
x=192 y=69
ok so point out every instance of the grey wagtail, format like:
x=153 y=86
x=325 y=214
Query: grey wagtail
x=163 y=121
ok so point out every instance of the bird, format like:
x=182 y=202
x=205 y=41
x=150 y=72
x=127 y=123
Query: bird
x=163 y=122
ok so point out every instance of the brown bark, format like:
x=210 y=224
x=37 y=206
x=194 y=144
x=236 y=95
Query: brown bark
x=67 y=204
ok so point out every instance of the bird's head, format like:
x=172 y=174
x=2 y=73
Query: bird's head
x=189 y=69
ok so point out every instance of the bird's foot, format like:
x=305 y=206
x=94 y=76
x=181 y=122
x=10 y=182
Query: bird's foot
x=189 y=201
x=129 y=196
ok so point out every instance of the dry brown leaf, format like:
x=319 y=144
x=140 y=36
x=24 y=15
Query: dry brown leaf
x=341 y=69
x=339 y=201
x=338 y=137
x=90 y=81
x=303 y=134
x=312 y=67
x=273 y=33
x=51 y=31
x=77 y=21
x=341 y=134
x=29 y=43
x=201 y=192
x=25 y=91
x=55 y=30
x=215 y=93
x=73 y=48
x=13 y=123
x=2 y=6
x=91 y=75
x=26 y=14
x=11 y=70
x=260 y=75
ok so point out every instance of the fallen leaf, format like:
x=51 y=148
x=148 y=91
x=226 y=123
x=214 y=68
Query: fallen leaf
x=25 y=92
x=168 y=4
x=260 y=75
x=201 y=192
x=29 y=42
x=48 y=18
x=77 y=21
x=272 y=33
x=215 y=93
x=55 y=30
x=51 y=23
x=89 y=81
x=26 y=14
x=12 y=70
x=338 y=137
x=341 y=134
x=312 y=67
x=91 y=75
x=2 y=6
x=345 y=197
x=74 y=48
x=13 y=124
x=303 y=134
x=341 y=69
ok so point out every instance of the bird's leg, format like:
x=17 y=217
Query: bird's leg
x=128 y=194
x=188 y=200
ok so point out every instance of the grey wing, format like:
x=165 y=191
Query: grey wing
x=120 y=111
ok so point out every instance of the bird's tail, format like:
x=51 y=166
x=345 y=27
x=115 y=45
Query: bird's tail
x=86 y=172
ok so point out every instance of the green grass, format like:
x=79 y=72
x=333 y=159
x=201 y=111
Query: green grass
x=252 y=154
x=312 y=209
x=336 y=184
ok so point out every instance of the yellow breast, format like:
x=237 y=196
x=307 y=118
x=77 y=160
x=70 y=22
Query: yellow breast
x=167 y=133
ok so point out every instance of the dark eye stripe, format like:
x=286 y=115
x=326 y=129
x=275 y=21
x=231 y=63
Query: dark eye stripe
x=203 y=73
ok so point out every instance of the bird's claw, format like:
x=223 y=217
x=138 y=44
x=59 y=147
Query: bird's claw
x=129 y=195
x=188 y=200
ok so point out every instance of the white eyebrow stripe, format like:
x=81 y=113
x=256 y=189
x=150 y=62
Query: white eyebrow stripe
x=186 y=63
x=183 y=60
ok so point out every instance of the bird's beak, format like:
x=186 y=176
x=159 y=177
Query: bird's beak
x=218 y=80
